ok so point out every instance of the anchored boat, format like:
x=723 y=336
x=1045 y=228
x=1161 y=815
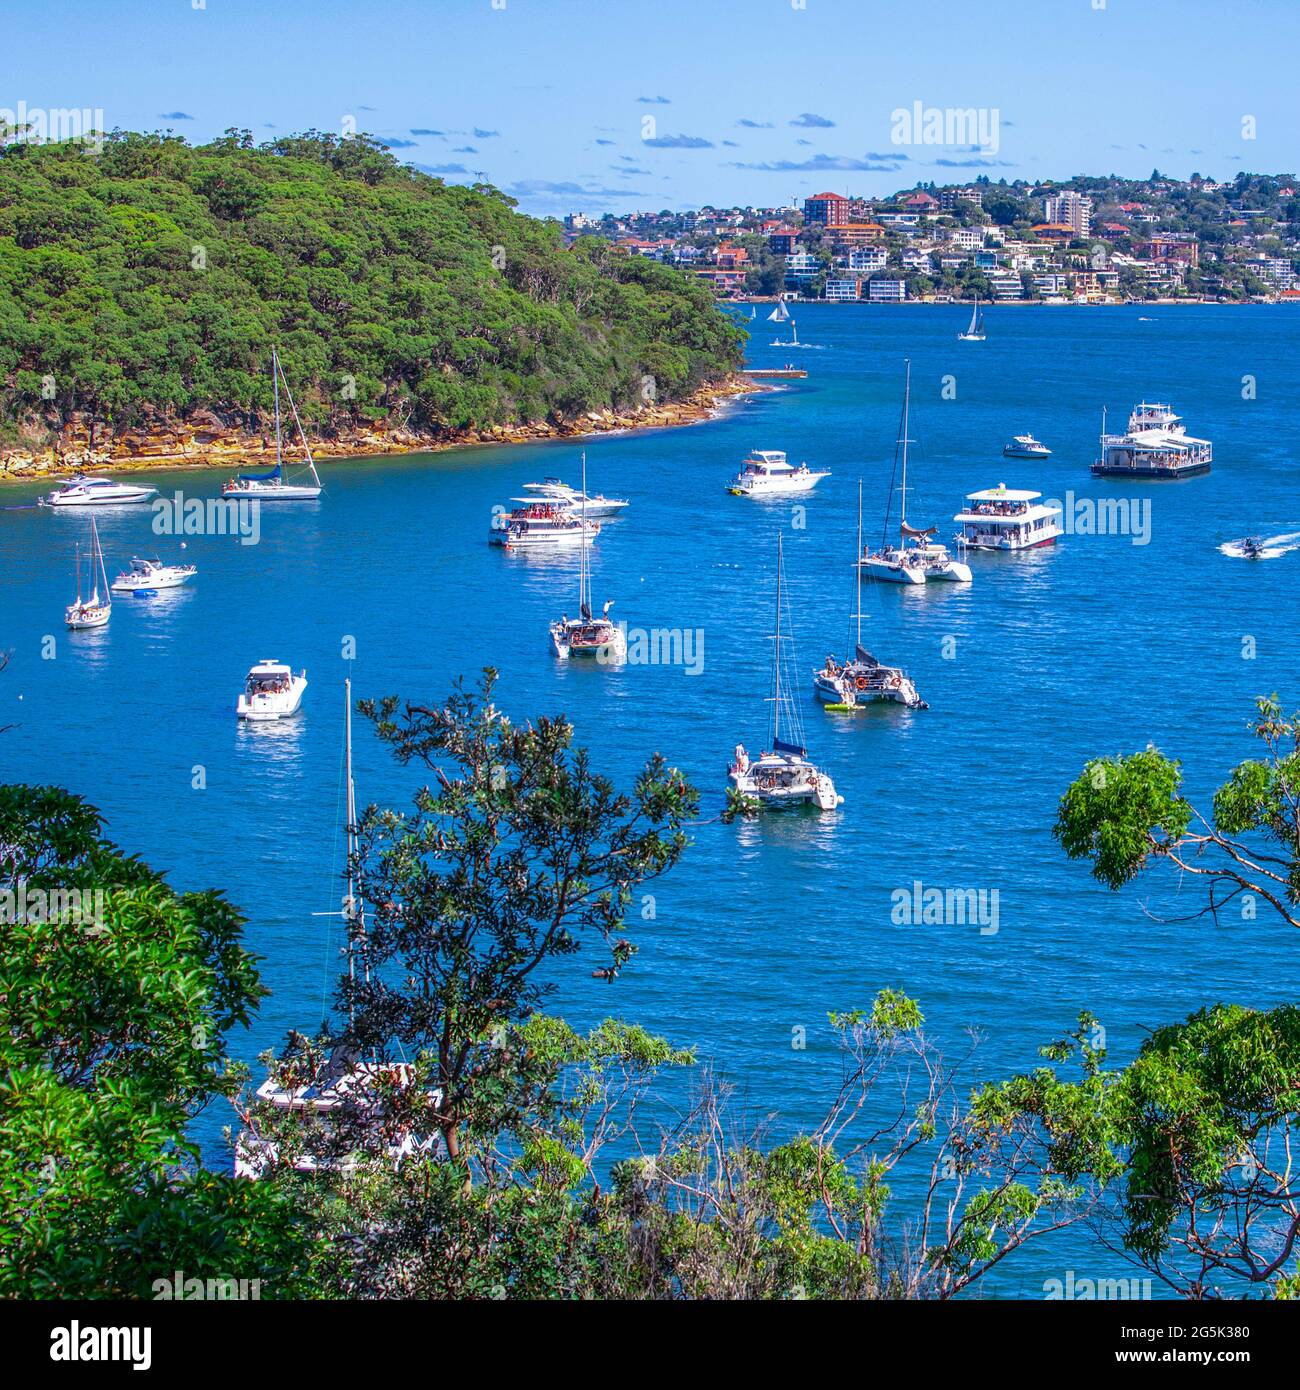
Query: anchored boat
x=768 y=473
x=272 y=486
x=271 y=691
x=96 y=492
x=93 y=611
x=1156 y=445
x=1003 y=518
x=587 y=635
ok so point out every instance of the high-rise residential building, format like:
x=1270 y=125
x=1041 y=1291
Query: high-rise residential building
x=1067 y=209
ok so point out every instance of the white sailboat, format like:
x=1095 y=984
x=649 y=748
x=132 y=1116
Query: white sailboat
x=861 y=679
x=587 y=635
x=782 y=776
x=916 y=558
x=780 y=314
x=975 y=332
x=272 y=487
x=95 y=610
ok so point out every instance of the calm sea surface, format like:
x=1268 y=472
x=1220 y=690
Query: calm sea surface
x=1093 y=646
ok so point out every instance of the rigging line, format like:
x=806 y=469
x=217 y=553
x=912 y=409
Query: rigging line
x=893 y=477
x=334 y=865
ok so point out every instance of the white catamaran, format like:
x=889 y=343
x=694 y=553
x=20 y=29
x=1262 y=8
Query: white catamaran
x=95 y=610
x=975 y=332
x=782 y=776
x=916 y=558
x=272 y=487
x=587 y=635
x=861 y=679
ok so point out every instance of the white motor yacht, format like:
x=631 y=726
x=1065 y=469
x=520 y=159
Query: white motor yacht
x=1025 y=446
x=553 y=490
x=768 y=473
x=783 y=774
x=273 y=486
x=94 y=610
x=916 y=559
x=271 y=691
x=1003 y=518
x=147 y=575
x=96 y=492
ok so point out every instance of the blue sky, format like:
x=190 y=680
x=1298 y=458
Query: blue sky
x=596 y=105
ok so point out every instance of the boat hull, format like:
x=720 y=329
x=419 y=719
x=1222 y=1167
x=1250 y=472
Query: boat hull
x=1191 y=470
x=891 y=574
x=262 y=709
x=286 y=492
x=131 y=499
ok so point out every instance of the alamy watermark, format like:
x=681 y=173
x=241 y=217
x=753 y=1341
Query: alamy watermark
x=661 y=646
x=975 y=127
x=1105 y=516
x=80 y=907
x=37 y=125
x=179 y=515
x=948 y=907
x=1085 y=1289
x=221 y=1288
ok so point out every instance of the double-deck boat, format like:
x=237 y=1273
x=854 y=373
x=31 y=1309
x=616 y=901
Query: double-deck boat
x=917 y=558
x=94 y=610
x=145 y=576
x=96 y=492
x=1025 y=446
x=860 y=679
x=271 y=691
x=782 y=776
x=553 y=490
x=588 y=635
x=541 y=525
x=1156 y=445
x=768 y=473
x=1003 y=518
x=273 y=486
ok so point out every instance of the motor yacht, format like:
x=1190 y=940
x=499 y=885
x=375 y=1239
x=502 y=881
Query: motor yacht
x=1025 y=446
x=553 y=490
x=768 y=473
x=147 y=575
x=96 y=492
x=271 y=691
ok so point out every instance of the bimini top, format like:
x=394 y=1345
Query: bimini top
x=773 y=460
x=269 y=666
x=1002 y=493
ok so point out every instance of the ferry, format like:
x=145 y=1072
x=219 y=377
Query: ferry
x=1025 y=446
x=768 y=473
x=1156 y=445
x=542 y=525
x=1003 y=518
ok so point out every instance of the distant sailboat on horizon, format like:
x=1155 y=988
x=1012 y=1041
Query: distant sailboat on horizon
x=975 y=333
x=780 y=314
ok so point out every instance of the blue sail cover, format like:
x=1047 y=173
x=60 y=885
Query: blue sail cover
x=780 y=746
x=260 y=477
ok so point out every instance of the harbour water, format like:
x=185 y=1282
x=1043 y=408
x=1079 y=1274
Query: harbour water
x=1095 y=645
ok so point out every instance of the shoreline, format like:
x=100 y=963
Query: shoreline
x=194 y=445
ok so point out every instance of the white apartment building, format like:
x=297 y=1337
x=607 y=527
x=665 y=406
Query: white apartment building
x=887 y=291
x=1069 y=209
x=865 y=260
x=965 y=238
x=841 y=291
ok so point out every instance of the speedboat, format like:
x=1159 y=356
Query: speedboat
x=768 y=473
x=783 y=775
x=272 y=486
x=1252 y=548
x=96 y=492
x=541 y=525
x=553 y=490
x=271 y=691
x=1003 y=518
x=145 y=575
x=587 y=635
x=92 y=611
x=1025 y=446
x=916 y=558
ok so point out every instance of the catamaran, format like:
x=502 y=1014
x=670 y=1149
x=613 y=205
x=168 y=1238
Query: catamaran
x=93 y=611
x=861 y=679
x=271 y=691
x=783 y=776
x=587 y=635
x=96 y=492
x=144 y=576
x=975 y=332
x=272 y=487
x=768 y=473
x=916 y=558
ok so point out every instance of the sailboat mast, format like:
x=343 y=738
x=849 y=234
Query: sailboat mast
x=857 y=573
x=902 y=504
x=584 y=576
x=275 y=381
x=354 y=913
x=776 y=652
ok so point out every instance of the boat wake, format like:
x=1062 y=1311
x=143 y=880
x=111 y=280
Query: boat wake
x=1270 y=547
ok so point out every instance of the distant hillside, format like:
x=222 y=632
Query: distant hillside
x=150 y=281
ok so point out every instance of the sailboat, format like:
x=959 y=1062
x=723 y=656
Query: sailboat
x=753 y=313
x=975 y=332
x=861 y=679
x=345 y=1084
x=783 y=776
x=271 y=487
x=780 y=314
x=93 y=611
x=916 y=558
x=587 y=635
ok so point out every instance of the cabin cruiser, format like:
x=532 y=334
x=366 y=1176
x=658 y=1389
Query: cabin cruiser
x=271 y=691
x=96 y=492
x=1156 y=445
x=767 y=473
x=553 y=490
x=272 y=486
x=1025 y=446
x=536 y=525
x=147 y=575
x=1003 y=518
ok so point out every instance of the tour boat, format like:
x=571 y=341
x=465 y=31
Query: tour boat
x=975 y=333
x=145 y=575
x=587 y=635
x=1156 y=445
x=553 y=490
x=538 y=525
x=767 y=473
x=96 y=492
x=346 y=1080
x=271 y=691
x=782 y=776
x=916 y=558
x=93 y=611
x=272 y=487
x=1025 y=446
x=861 y=679
x=1003 y=518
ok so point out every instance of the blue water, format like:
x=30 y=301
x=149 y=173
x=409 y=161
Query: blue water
x=1093 y=646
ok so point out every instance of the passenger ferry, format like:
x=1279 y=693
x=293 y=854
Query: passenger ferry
x=768 y=473
x=542 y=525
x=1156 y=445
x=1003 y=518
